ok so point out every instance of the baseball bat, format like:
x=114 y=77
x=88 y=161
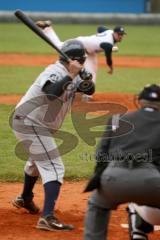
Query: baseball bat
x=29 y=22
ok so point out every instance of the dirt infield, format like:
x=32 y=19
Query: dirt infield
x=41 y=60
x=17 y=224
x=119 y=98
x=71 y=206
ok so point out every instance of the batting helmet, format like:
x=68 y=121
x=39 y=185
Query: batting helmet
x=75 y=50
x=150 y=93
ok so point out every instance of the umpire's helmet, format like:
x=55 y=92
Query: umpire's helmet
x=75 y=50
x=150 y=93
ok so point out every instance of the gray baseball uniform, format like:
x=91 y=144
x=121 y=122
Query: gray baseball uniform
x=34 y=121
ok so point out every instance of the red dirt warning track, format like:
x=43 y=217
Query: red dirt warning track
x=41 y=60
x=120 y=98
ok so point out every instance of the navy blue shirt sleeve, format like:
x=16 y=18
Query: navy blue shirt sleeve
x=107 y=47
x=56 y=88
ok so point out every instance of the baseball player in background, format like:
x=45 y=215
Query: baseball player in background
x=103 y=41
x=128 y=168
x=36 y=119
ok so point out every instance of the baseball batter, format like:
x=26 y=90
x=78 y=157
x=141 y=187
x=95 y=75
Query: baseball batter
x=128 y=168
x=103 y=41
x=37 y=118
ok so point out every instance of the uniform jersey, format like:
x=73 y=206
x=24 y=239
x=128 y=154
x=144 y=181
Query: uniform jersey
x=92 y=43
x=34 y=104
x=36 y=119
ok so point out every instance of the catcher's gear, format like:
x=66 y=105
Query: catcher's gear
x=138 y=228
x=75 y=50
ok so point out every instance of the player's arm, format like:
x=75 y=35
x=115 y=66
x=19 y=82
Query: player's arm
x=107 y=47
x=52 y=89
x=56 y=88
x=55 y=85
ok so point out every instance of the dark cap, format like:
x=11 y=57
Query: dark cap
x=151 y=93
x=119 y=30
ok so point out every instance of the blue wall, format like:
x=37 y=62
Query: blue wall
x=89 y=6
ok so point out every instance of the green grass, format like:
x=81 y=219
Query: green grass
x=77 y=165
x=140 y=40
x=16 y=79
x=17 y=38
x=10 y=166
x=80 y=161
x=126 y=79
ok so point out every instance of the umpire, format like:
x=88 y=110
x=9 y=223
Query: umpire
x=128 y=164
